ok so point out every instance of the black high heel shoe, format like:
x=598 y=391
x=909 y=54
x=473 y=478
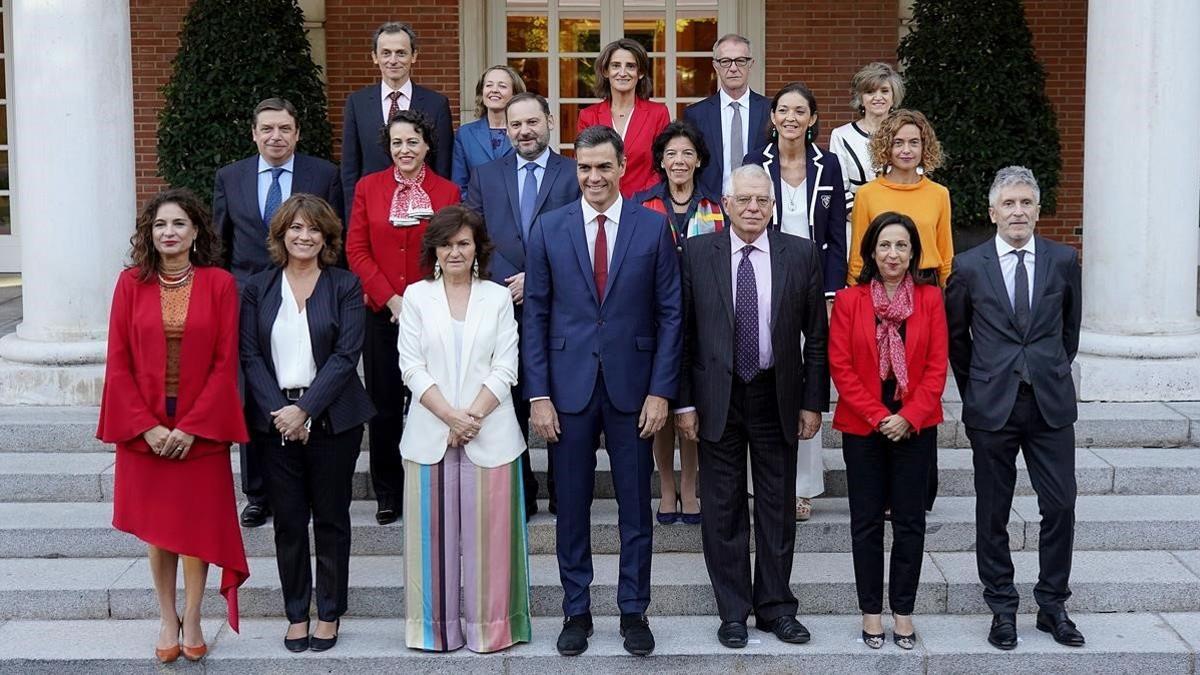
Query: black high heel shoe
x=906 y=642
x=317 y=644
x=872 y=641
x=297 y=644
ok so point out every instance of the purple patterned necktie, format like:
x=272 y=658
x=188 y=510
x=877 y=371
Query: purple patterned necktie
x=745 y=320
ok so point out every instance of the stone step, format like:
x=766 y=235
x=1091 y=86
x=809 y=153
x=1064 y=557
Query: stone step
x=1101 y=581
x=1136 y=643
x=88 y=477
x=1103 y=522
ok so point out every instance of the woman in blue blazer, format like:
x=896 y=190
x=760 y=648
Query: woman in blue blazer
x=486 y=138
x=302 y=325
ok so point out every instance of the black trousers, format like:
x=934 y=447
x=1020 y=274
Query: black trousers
x=312 y=480
x=1050 y=457
x=876 y=469
x=754 y=420
x=251 y=460
x=381 y=368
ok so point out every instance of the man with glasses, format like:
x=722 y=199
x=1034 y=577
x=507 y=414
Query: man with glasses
x=733 y=120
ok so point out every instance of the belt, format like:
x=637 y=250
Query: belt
x=294 y=395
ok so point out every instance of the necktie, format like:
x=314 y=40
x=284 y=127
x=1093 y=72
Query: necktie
x=745 y=320
x=1021 y=292
x=395 y=96
x=737 y=147
x=600 y=257
x=274 y=195
x=528 y=198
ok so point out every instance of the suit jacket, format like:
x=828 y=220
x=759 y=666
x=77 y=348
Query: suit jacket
x=362 y=123
x=706 y=115
x=854 y=360
x=985 y=344
x=649 y=118
x=488 y=358
x=501 y=209
x=568 y=331
x=237 y=217
x=335 y=327
x=797 y=308
x=473 y=147
x=826 y=206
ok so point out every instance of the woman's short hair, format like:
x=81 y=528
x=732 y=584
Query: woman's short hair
x=680 y=128
x=314 y=211
x=420 y=122
x=644 y=86
x=441 y=229
x=869 y=79
x=881 y=141
x=870 y=270
x=142 y=254
x=518 y=86
x=803 y=90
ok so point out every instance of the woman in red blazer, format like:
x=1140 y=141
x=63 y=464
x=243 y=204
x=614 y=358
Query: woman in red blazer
x=623 y=81
x=888 y=357
x=383 y=246
x=172 y=407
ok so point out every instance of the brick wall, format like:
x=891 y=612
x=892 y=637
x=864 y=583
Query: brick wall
x=155 y=26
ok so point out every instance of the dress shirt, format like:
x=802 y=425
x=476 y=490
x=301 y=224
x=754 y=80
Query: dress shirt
x=613 y=214
x=727 y=124
x=264 y=181
x=795 y=221
x=760 y=259
x=291 y=345
x=403 y=103
x=538 y=173
x=1008 y=267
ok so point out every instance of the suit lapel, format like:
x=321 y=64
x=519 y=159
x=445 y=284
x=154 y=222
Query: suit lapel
x=470 y=330
x=445 y=328
x=991 y=269
x=758 y=119
x=1041 y=268
x=514 y=198
x=250 y=181
x=553 y=166
x=712 y=129
x=268 y=309
x=625 y=233
x=300 y=182
x=813 y=173
x=317 y=331
x=914 y=335
x=776 y=176
x=867 y=325
x=575 y=230
x=721 y=252
x=483 y=137
x=779 y=273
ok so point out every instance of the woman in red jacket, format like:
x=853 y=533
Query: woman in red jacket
x=172 y=407
x=888 y=357
x=383 y=246
x=623 y=81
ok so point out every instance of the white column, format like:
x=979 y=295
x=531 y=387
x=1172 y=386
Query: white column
x=72 y=107
x=1141 y=335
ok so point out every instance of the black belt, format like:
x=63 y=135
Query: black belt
x=294 y=395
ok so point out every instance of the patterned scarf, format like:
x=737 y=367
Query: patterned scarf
x=410 y=202
x=887 y=334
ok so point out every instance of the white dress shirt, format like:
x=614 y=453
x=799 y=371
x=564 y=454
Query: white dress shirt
x=291 y=345
x=794 y=204
x=264 y=181
x=1005 y=253
x=539 y=173
x=760 y=260
x=727 y=124
x=613 y=212
x=403 y=103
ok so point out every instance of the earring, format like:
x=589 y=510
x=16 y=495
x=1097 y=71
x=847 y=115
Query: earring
x=862 y=110
x=437 y=270
x=193 y=245
x=475 y=268
x=808 y=135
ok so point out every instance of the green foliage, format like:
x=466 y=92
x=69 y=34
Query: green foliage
x=233 y=54
x=971 y=68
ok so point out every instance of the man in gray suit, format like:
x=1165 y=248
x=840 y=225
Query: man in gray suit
x=1013 y=306
x=748 y=297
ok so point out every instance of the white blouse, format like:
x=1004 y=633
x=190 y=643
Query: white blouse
x=850 y=143
x=291 y=345
x=795 y=209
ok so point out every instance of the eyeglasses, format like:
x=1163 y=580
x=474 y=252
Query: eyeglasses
x=741 y=61
x=743 y=201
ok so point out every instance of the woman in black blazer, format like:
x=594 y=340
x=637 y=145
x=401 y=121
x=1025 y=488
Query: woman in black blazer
x=301 y=336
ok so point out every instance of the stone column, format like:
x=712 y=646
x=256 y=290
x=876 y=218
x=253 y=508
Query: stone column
x=1141 y=335
x=72 y=108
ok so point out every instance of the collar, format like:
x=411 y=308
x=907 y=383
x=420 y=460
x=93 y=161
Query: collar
x=763 y=243
x=288 y=166
x=542 y=160
x=726 y=99
x=1003 y=248
x=405 y=89
x=613 y=213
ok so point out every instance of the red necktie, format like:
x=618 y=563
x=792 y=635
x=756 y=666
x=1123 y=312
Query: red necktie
x=600 y=257
x=395 y=96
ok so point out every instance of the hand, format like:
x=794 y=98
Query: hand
x=394 y=304
x=653 y=417
x=301 y=436
x=544 y=420
x=810 y=424
x=895 y=427
x=156 y=438
x=177 y=444
x=688 y=424
x=289 y=421
x=462 y=425
x=516 y=287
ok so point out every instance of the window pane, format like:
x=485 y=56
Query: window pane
x=568 y=117
x=5 y=214
x=694 y=76
x=535 y=72
x=577 y=77
x=527 y=33
x=695 y=34
x=3 y=169
x=579 y=34
x=3 y=123
x=647 y=28
x=658 y=66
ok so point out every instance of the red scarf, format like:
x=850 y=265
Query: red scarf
x=410 y=202
x=891 y=313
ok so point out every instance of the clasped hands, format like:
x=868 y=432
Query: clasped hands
x=169 y=443
x=292 y=423
x=895 y=428
x=464 y=427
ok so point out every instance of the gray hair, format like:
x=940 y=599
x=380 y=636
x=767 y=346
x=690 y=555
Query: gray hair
x=730 y=37
x=1011 y=176
x=744 y=171
x=869 y=78
x=392 y=27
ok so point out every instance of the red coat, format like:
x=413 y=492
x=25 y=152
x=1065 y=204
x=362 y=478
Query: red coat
x=649 y=118
x=386 y=258
x=854 y=360
x=184 y=506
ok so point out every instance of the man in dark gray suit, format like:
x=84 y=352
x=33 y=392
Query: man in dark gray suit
x=1013 y=306
x=749 y=295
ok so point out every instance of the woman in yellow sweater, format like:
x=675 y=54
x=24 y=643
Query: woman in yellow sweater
x=905 y=151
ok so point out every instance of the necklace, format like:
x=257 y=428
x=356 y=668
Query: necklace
x=685 y=202
x=174 y=280
x=791 y=192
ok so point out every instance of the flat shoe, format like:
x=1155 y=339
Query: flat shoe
x=317 y=644
x=803 y=508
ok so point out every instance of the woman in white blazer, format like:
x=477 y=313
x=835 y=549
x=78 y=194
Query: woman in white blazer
x=464 y=500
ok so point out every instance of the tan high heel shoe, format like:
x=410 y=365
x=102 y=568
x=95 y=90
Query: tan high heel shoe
x=169 y=654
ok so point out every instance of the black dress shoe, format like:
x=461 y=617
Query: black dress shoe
x=296 y=644
x=322 y=644
x=639 y=641
x=1061 y=627
x=573 y=640
x=787 y=629
x=1003 y=634
x=386 y=515
x=732 y=634
x=255 y=515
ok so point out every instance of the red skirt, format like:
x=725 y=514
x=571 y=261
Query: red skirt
x=186 y=507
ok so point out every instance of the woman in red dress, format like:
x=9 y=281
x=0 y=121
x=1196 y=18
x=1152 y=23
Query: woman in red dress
x=172 y=407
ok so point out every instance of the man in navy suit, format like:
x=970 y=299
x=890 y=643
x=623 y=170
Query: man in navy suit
x=245 y=196
x=733 y=120
x=536 y=180
x=602 y=341
x=394 y=50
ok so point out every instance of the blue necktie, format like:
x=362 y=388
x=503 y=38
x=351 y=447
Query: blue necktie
x=274 y=195
x=528 y=198
x=745 y=320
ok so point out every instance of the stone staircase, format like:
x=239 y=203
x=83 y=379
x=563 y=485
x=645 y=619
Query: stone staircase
x=76 y=596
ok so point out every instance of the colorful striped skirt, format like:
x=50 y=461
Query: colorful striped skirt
x=465 y=547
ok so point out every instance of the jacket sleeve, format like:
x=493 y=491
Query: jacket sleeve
x=351 y=167
x=815 y=326
x=259 y=381
x=958 y=322
x=504 y=355
x=925 y=399
x=664 y=376
x=473 y=194
x=535 y=316
x=852 y=393
x=217 y=413
x=945 y=240
x=1072 y=307
x=222 y=223
x=460 y=170
x=686 y=398
x=342 y=364
x=835 y=234
x=124 y=415
x=414 y=365
x=359 y=254
x=837 y=145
